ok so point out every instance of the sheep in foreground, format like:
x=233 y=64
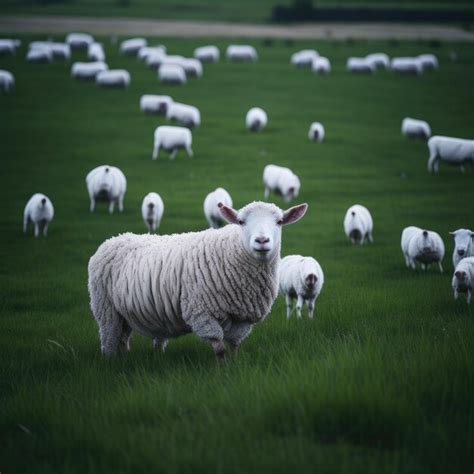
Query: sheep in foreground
x=423 y=246
x=463 y=245
x=256 y=119
x=7 y=80
x=380 y=60
x=463 y=278
x=360 y=66
x=172 y=74
x=281 y=181
x=172 y=139
x=155 y=104
x=316 y=132
x=454 y=151
x=186 y=115
x=152 y=211
x=428 y=61
x=132 y=46
x=211 y=207
x=207 y=54
x=39 y=211
x=321 y=65
x=301 y=278
x=414 y=128
x=241 y=53
x=406 y=65
x=358 y=224
x=216 y=283
x=113 y=78
x=96 y=52
x=87 y=71
x=79 y=40
x=106 y=183
x=304 y=58
x=9 y=46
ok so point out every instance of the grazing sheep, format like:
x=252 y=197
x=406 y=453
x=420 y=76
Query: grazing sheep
x=463 y=278
x=146 y=51
x=207 y=54
x=172 y=139
x=186 y=115
x=155 y=104
x=155 y=59
x=301 y=278
x=321 y=65
x=57 y=50
x=406 y=65
x=423 y=246
x=414 y=128
x=152 y=211
x=113 y=78
x=192 y=67
x=96 y=52
x=7 y=80
x=428 y=61
x=216 y=283
x=211 y=208
x=256 y=119
x=380 y=60
x=79 y=40
x=358 y=224
x=316 y=132
x=39 y=55
x=9 y=46
x=88 y=71
x=360 y=65
x=241 y=53
x=281 y=181
x=39 y=211
x=304 y=58
x=132 y=46
x=106 y=183
x=454 y=151
x=172 y=74
x=463 y=245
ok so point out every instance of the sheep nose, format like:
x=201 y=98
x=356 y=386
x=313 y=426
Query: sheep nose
x=262 y=240
x=461 y=252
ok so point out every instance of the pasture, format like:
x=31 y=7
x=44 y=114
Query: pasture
x=381 y=381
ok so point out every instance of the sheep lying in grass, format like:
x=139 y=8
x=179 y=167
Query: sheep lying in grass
x=186 y=115
x=113 y=78
x=96 y=52
x=358 y=224
x=152 y=211
x=414 y=128
x=155 y=104
x=463 y=278
x=106 y=183
x=9 y=46
x=132 y=46
x=79 y=40
x=39 y=211
x=172 y=74
x=281 y=181
x=207 y=54
x=172 y=139
x=379 y=60
x=423 y=246
x=454 y=151
x=406 y=65
x=316 y=132
x=88 y=71
x=301 y=278
x=211 y=207
x=360 y=65
x=7 y=80
x=216 y=283
x=463 y=245
x=241 y=53
x=321 y=65
x=256 y=119
x=304 y=58
x=428 y=61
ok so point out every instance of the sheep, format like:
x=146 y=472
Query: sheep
x=414 y=128
x=256 y=119
x=241 y=53
x=7 y=80
x=360 y=65
x=380 y=60
x=152 y=211
x=321 y=65
x=57 y=50
x=79 y=40
x=113 y=78
x=281 y=181
x=211 y=208
x=172 y=74
x=186 y=115
x=9 y=46
x=216 y=283
x=172 y=139
x=207 y=54
x=463 y=245
x=463 y=278
x=192 y=67
x=358 y=224
x=406 y=65
x=96 y=52
x=106 y=183
x=88 y=71
x=301 y=278
x=316 y=132
x=304 y=58
x=146 y=51
x=423 y=246
x=132 y=46
x=39 y=55
x=428 y=61
x=155 y=59
x=39 y=211
x=455 y=151
x=155 y=104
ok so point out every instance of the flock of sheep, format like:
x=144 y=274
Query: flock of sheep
x=218 y=283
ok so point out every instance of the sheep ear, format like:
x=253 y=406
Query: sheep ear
x=294 y=214
x=228 y=213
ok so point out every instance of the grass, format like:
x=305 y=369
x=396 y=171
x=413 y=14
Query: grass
x=380 y=382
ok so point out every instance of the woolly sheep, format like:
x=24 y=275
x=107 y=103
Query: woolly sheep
x=463 y=278
x=152 y=211
x=380 y=60
x=39 y=55
x=301 y=278
x=155 y=59
x=256 y=119
x=192 y=67
x=211 y=208
x=358 y=224
x=415 y=128
x=88 y=71
x=241 y=53
x=207 y=54
x=463 y=245
x=7 y=80
x=321 y=65
x=428 y=61
x=96 y=52
x=113 y=78
x=455 y=151
x=360 y=65
x=172 y=139
x=406 y=65
x=79 y=40
x=132 y=46
x=216 y=283
x=155 y=104
x=39 y=211
x=172 y=74
x=57 y=50
x=282 y=181
x=9 y=46
x=146 y=51
x=106 y=183
x=423 y=246
x=316 y=132
x=186 y=115
x=304 y=58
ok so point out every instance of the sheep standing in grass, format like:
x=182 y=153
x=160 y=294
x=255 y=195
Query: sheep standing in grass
x=79 y=40
x=316 y=132
x=132 y=46
x=152 y=211
x=455 y=151
x=88 y=71
x=106 y=183
x=7 y=80
x=360 y=65
x=304 y=58
x=172 y=74
x=39 y=211
x=463 y=278
x=155 y=59
x=463 y=245
x=39 y=55
x=406 y=65
x=321 y=65
x=379 y=60
x=428 y=61
x=281 y=181
x=358 y=224
x=96 y=52
x=241 y=53
x=211 y=207
x=186 y=115
x=207 y=54
x=301 y=278
x=9 y=46
x=192 y=67
x=172 y=139
x=155 y=104
x=216 y=283
x=113 y=78
x=414 y=128
x=423 y=246
x=146 y=51
x=256 y=119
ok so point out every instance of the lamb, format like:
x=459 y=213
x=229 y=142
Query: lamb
x=428 y=61
x=358 y=224
x=79 y=40
x=360 y=65
x=256 y=119
x=281 y=181
x=304 y=58
x=216 y=283
x=207 y=54
x=7 y=80
x=186 y=115
x=172 y=74
x=39 y=211
x=455 y=151
x=463 y=245
x=463 y=278
x=113 y=78
x=316 y=132
x=172 y=139
x=9 y=46
x=106 y=183
x=380 y=60
x=423 y=246
x=414 y=128
x=132 y=46
x=88 y=71
x=406 y=65
x=211 y=207
x=321 y=65
x=39 y=55
x=155 y=104
x=96 y=52
x=152 y=211
x=241 y=53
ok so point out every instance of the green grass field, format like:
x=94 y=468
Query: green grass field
x=382 y=380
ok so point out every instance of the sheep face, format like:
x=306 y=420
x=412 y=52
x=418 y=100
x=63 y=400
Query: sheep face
x=427 y=249
x=310 y=281
x=462 y=281
x=463 y=239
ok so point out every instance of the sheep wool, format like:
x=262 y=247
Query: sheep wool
x=155 y=104
x=256 y=119
x=304 y=58
x=186 y=115
x=172 y=74
x=96 y=52
x=7 y=80
x=146 y=51
x=281 y=181
x=428 y=61
x=241 y=53
x=360 y=66
x=172 y=139
x=380 y=60
x=463 y=245
x=88 y=71
x=406 y=65
x=9 y=46
x=358 y=224
x=113 y=78
x=39 y=55
x=132 y=46
x=321 y=65
x=455 y=151
x=39 y=211
x=79 y=40
x=211 y=207
x=414 y=128
x=423 y=246
x=207 y=54
x=192 y=67
x=106 y=183
x=152 y=211
x=316 y=132
x=463 y=278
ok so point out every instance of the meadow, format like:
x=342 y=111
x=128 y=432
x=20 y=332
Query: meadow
x=381 y=381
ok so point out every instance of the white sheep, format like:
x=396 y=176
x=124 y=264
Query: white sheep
x=39 y=211
x=172 y=139
x=96 y=52
x=321 y=65
x=463 y=245
x=241 y=53
x=132 y=46
x=463 y=278
x=428 y=61
x=172 y=74
x=380 y=60
x=316 y=132
x=39 y=55
x=146 y=51
x=281 y=181
x=106 y=183
x=152 y=211
x=192 y=67
x=358 y=224
x=256 y=119
x=423 y=246
x=186 y=115
x=155 y=104
x=7 y=80
x=155 y=59
x=301 y=278
x=113 y=78
x=79 y=40
x=360 y=65
x=414 y=128
x=454 y=151
x=406 y=65
x=87 y=71
x=9 y=46
x=207 y=54
x=304 y=58
x=216 y=283
x=57 y=50
x=211 y=207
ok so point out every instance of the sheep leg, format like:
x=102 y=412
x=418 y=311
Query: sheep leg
x=311 y=308
x=37 y=229
x=413 y=264
x=440 y=267
x=370 y=237
x=114 y=333
x=160 y=343
x=124 y=343
x=189 y=151
x=92 y=206
x=45 y=229
x=208 y=329
x=111 y=207
x=456 y=294
x=432 y=162
x=469 y=295
x=156 y=149
x=289 y=303
x=237 y=332
x=25 y=224
x=120 y=203
x=266 y=193
x=299 y=305
x=407 y=260
x=423 y=267
x=173 y=154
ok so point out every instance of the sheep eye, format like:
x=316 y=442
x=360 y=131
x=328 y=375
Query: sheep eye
x=241 y=222
x=280 y=222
